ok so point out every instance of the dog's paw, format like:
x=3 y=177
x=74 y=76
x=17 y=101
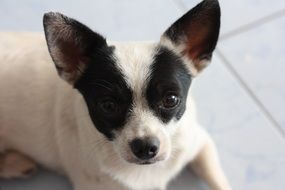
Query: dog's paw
x=16 y=165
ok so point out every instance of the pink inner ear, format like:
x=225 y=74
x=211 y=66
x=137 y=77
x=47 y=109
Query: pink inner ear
x=197 y=38
x=196 y=44
x=71 y=56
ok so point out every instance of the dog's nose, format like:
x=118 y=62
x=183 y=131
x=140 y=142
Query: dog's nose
x=146 y=148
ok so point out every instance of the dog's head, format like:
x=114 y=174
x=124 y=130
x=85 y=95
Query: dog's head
x=135 y=92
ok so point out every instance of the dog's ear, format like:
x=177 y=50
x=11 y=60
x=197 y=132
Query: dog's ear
x=71 y=45
x=195 y=34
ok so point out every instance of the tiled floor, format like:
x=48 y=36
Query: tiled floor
x=240 y=97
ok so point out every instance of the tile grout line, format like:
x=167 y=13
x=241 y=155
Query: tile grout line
x=256 y=100
x=252 y=25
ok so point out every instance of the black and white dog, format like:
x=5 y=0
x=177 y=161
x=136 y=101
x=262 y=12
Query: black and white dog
x=123 y=120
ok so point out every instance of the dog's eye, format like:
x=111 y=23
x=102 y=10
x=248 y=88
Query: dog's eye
x=170 y=101
x=109 y=106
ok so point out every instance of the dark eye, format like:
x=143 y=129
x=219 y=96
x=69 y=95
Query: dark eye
x=170 y=101
x=109 y=106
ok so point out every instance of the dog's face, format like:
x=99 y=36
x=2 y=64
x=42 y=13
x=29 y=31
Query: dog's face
x=136 y=93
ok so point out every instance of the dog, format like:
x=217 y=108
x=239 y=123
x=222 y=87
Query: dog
x=121 y=118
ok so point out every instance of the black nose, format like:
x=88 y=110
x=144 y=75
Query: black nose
x=146 y=148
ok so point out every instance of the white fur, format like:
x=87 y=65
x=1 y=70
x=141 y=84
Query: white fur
x=44 y=118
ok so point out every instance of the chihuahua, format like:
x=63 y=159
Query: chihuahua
x=121 y=118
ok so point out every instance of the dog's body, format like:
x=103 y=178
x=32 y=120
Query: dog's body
x=46 y=119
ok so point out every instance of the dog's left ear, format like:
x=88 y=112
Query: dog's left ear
x=195 y=34
x=71 y=45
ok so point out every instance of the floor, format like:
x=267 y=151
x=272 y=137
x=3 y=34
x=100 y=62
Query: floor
x=241 y=96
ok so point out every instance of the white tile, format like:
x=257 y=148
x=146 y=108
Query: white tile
x=118 y=20
x=258 y=57
x=236 y=13
x=251 y=150
x=187 y=180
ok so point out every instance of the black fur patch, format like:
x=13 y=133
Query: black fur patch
x=169 y=75
x=102 y=81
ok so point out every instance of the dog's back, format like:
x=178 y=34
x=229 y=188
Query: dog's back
x=29 y=91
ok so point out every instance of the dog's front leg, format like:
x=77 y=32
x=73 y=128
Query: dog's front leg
x=207 y=165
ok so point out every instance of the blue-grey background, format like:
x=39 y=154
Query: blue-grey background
x=240 y=97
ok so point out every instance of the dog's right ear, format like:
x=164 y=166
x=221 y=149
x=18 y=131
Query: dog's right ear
x=71 y=45
x=195 y=34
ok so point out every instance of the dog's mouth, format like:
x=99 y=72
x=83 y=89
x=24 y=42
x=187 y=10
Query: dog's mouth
x=147 y=162
x=144 y=162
